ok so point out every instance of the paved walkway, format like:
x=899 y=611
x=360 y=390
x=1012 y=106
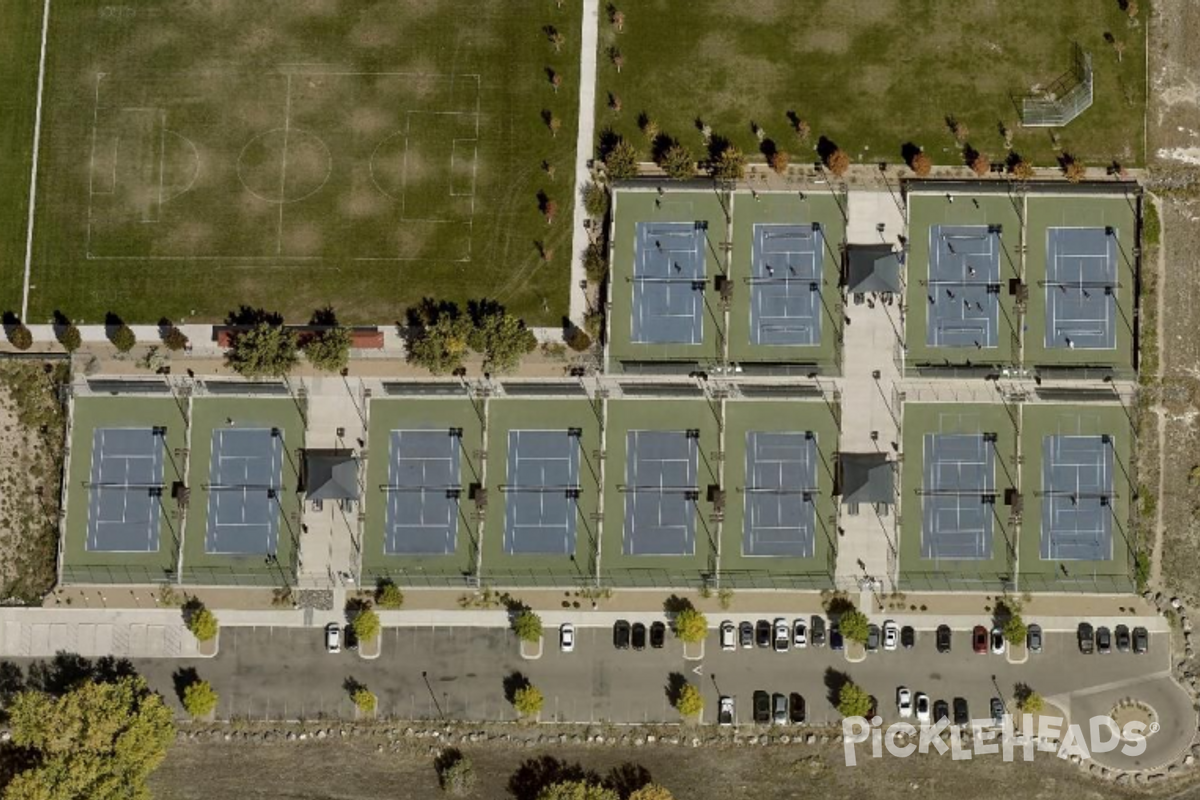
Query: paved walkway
x=583 y=154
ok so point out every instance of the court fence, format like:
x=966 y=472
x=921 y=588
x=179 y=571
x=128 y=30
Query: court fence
x=1063 y=99
x=963 y=581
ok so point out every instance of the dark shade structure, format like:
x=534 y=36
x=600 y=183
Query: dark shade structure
x=872 y=268
x=330 y=475
x=866 y=478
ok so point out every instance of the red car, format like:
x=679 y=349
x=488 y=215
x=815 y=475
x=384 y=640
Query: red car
x=979 y=640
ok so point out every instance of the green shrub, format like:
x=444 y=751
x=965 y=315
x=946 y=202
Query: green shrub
x=202 y=623
x=528 y=700
x=199 y=699
x=123 y=338
x=595 y=263
x=20 y=337
x=366 y=625
x=173 y=339
x=527 y=625
x=364 y=700
x=677 y=161
x=329 y=350
x=691 y=626
x=622 y=161
x=70 y=338
x=595 y=201
x=690 y=702
x=853 y=700
x=388 y=595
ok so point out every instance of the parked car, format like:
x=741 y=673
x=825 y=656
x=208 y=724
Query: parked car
x=725 y=711
x=904 y=702
x=779 y=709
x=998 y=643
x=333 y=638
x=997 y=711
x=762 y=633
x=979 y=640
x=746 y=635
x=1087 y=640
x=961 y=714
x=658 y=635
x=872 y=638
x=350 y=637
x=891 y=635
x=621 y=635
x=1122 y=636
x=783 y=636
x=1033 y=638
x=943 y=638
x=639 y=636
x=816 y=630
x=566 y=637
x=1103 y=640
x=941 y=710
x=1141 y=641
x=728 y=636
x=835 y=637
x=908 y=637
x=796 y=708
x=762 y=707
x=799 y=634
x=922 y=704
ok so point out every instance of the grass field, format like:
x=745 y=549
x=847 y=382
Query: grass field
x=198 y=155
x=872 y=75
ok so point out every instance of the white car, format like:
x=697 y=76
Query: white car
x=333 y=638
x=566 y=637
x=728 y=636
x=997 y=641
x=922 y=708
x=783 y=636
x=725 y=714
x=800 y=637
x=891 y=635
x=904 y=702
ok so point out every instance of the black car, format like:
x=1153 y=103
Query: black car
x=1103 y=640
x=816 y=631
x=908 y=637
x=961 y=715
x=796 y=708
x=639 y=636
x=835 y=637
x=1122 y=633
x=1087 y=640
x=941 y=710
x=658 y=635
x=1141 y=641
x=872 y=638
x=762 y=633
x=746 y=635
x=351 y=638
x=1033 y=638
x=997 y=709
x=621 y=635
x=943 y=639
x=762 y=707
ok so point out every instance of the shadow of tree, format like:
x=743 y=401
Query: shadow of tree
x=627 y=778
x=909 y=151
x=248 y=315
x=183 y=678
x=826 y=147
x=674 y=688
x=674 y=604
x=834 y=681
x=66 y=671
x=512 y=683
x=535 y=774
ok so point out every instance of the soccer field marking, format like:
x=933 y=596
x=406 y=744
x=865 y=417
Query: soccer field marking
x=287 y=126
x=33 y=169
x=195 y=173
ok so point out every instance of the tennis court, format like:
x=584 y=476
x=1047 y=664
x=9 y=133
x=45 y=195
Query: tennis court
x=125 y=490
x=1081 y=288
x=785 y=285
x=245 y=476
x=668 y=283
x=423 y=491
x=1077 y=489
x=781 y=484
x=542 y=492
x=964 y=286
x=958 y=496
x=660 y=492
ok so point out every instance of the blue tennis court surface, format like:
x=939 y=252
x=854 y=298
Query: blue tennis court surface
x=541 y=494
x=245 y=473
x=785 y=285
x=956 y=518
x=1081 y=288
x=660 y=493
x=963 y=289
x=125 y=490
x=423 y=493
x=668 y=283
x=781 y=482
x=1077 y=483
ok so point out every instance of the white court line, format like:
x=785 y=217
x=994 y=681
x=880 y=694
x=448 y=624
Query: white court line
x=33 y=169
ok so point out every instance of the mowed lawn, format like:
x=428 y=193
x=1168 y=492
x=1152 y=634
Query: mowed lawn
x=872 y=75
x=201 y=155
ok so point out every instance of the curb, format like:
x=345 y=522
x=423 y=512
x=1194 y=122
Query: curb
x=378 y=648
x=693 y=657
x=215 y=644
x=532 y=656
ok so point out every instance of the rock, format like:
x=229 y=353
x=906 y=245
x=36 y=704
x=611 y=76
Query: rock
x=379 y=748
x=1176 y=603
x=303 y=737
x=1174 y=768
x=1140 y=778
x=1123 y=779
x=291 y=737
x=1188 y=652
x=638 y=741
x=785 y=739
x=824 y=739
x=1076 y=759
x=321 y=734
x=562 y=738
x=408 y=731
x=651 y=738
x=695 y=742
x=751 y=740
x=1188 y=760
x=811 y=738
x=1187 y=624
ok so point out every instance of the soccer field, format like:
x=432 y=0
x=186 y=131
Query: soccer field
x=198 y=155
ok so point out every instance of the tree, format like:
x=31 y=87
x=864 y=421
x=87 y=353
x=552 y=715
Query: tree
x=1131 y=9
x=441 y=345
x=527 y=625
x=652 y=791
x=528 y=700
x=921 y=164
x=556 y=80
x=556 y=38
x=554 y=124
x=803 y=130
x=502 y=339
x=329 y=350
x=199 y=699
x=577 y=339
x=20 y=336
x=595 y=200
x=595 y=263
x=621 y=162
x=617 y=57
x=1074 y=169
x=456 y=773
x=1021 y=169
x=649 y=129
x=264 y=350
x=618 y=20
x=854 y=625
x=730 y=165
x=1015 y=629
x=677 y=162
x=577 y=790
x=980 y=164
x=691 y=626
x=123 y=338
x=1031 y=703
x=70 y=338
x=614 y=103
x=838 y=162
x=202 y=623
x=690 y=702
x=853 y=700
x=174 y=339
x=779 y=161
x=388 y=595
x=99 y=741
x=364 y=700
x=366 y=625
x=549 y=211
